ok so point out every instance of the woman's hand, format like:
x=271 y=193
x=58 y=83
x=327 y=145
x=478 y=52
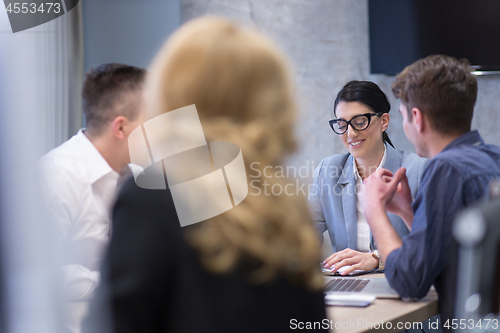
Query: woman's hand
x=349 y=257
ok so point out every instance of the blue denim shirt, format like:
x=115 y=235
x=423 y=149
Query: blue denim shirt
x=454 y=179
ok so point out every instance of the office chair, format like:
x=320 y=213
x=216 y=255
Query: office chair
x=477 y=232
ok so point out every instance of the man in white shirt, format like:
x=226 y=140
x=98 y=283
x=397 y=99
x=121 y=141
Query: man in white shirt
x=81 y=178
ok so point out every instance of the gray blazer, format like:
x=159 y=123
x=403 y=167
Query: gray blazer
x=332 y=200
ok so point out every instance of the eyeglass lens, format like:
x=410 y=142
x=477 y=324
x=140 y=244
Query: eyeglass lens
x=359 y=123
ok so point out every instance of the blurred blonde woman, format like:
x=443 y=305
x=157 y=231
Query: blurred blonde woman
x=253 y=268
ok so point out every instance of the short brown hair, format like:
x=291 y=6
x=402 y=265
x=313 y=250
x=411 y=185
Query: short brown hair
x=109 y=91
x=443 y=88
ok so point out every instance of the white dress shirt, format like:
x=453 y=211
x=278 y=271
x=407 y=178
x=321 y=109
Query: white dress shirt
x=364 y=236
x=80 y=189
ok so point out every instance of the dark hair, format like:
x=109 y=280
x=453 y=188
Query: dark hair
x=367 y=93
x=443 y=88
x=109 y=91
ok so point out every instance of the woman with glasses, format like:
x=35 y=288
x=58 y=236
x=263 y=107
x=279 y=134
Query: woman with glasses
x=361 y=118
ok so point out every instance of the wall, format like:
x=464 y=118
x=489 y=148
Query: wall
x=327 y=42
x=127 y=31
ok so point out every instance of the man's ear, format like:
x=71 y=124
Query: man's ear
x=418 y=119
x=118 y=127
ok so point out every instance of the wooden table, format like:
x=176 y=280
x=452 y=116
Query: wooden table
x=384 y=315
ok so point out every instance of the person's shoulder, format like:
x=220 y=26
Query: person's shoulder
x=412 y=161
x=63 y=164
x=452 y=164
x=470 y=159
x=491 y=147
x=335 y=160
x=131 y=189
x=141 y=208
x=470 y=153
x=332 y=163
x=133 y=194
x=62 y=155
x=492 y=151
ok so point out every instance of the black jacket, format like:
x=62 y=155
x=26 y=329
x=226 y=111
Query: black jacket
x=153 y=281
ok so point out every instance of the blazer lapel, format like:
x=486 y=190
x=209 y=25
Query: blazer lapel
x=348 y=184
x=392 y=159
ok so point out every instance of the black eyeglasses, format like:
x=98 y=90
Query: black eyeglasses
x=359 y=123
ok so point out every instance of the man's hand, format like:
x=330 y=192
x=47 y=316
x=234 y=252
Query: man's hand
x=402 y=200
x=378 y=191
x=355 y=259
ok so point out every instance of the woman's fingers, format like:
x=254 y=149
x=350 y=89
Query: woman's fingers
x=349 y=257
x=352 y=269
x=358 y=260
x=347 y=262
x=338 y=256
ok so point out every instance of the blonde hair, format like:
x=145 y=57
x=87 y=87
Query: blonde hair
x=240 y=84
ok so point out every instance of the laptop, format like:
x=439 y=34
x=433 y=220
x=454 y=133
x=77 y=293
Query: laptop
x=378 y=287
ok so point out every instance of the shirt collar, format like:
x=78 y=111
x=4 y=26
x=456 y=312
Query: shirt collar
x=95 y=164
x=472 y=138
x=355 y=165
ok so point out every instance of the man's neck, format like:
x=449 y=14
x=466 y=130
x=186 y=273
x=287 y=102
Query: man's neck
x=437 y=142
x=106 y=149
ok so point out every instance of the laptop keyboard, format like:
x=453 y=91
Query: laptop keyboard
x=347 y=285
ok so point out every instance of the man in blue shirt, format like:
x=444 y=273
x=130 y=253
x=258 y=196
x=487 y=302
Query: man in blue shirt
x=437 y=95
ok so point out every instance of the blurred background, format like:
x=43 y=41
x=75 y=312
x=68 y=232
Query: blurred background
x=41 y=75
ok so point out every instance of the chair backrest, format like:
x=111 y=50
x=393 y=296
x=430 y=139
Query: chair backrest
x=477 y=232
